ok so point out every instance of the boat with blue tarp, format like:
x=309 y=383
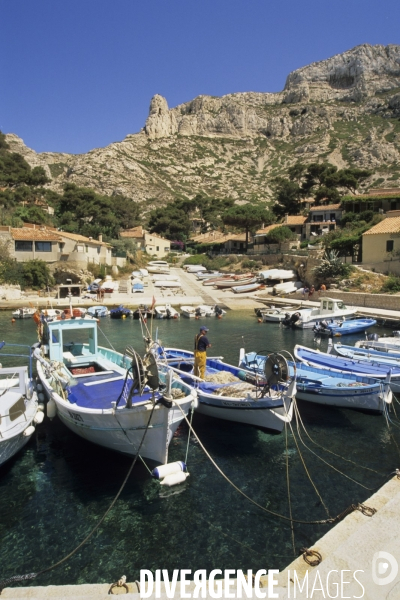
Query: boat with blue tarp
x=107 y=397
x=232 y=394
x=120 y=312
x=321 y=386
x=375 y=368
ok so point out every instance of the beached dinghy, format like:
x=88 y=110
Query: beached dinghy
x=375 y=369
x=250 y=287
x=231 y=394
x=320 y=386
x=107 y=397
x=19 y=411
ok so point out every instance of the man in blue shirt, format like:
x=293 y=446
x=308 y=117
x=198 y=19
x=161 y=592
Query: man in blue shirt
x=201 y=344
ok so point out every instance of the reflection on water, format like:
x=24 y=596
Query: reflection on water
x=54 y=491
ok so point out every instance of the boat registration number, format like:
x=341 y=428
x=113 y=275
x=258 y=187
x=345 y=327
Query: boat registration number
x=235 y=404
x=75 y=417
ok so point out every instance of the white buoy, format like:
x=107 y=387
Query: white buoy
x=51 y=408
x=169 y=469
x=41 y=397
x=39 y=417
x=41 y=406
x=29 y=431
x=174 y=479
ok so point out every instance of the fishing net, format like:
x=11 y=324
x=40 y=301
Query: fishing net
x=222 y=377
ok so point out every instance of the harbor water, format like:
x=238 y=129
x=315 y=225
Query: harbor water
x=55 y=490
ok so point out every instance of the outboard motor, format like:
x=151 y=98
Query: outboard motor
x=197 y=312
x=218 y=310
x=286 y=320
x=294 y=318
x=168 y=313
x=317 y=327
x=373 y=337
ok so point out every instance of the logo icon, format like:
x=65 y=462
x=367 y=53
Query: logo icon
x=384 y=568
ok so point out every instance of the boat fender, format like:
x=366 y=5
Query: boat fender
x=39 y=417
x=169 y=469
x=195 y=401
x=41 y=396
x=51 y=409
x=165 y=402
x=174 y=479
x=29 y=431
x=41 y=406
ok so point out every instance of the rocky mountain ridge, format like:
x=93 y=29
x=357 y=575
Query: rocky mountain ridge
x=345 y=110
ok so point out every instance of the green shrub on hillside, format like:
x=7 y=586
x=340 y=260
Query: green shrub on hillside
x=391 y=285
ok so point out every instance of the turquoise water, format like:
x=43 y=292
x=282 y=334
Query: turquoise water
x=54 y=491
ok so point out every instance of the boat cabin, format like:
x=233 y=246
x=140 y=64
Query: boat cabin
x=328 y=306
x=73 y=342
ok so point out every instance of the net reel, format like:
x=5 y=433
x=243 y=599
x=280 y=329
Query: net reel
x=142 y=372
x=276 y=369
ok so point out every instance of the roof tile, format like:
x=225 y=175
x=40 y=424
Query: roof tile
x=388 y=225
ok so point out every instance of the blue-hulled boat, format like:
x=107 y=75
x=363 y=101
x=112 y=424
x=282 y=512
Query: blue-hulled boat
x=374 y=369
x=320 y=386
x=242 y=398
x=107 y=397
x=120 y=312
x=368 y=355
x=338 y=328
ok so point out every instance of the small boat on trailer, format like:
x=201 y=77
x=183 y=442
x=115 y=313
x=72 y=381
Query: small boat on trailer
x=108 y=398
x=322 y=386
x=19 y=409
x=231 y=394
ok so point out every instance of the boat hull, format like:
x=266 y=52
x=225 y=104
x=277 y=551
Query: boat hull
x=10 y=447
x=357 y=398
x=122 y=430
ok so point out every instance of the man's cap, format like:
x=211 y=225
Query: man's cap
x=203 y=328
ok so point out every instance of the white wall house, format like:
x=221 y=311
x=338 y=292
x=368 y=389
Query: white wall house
x=151 y=243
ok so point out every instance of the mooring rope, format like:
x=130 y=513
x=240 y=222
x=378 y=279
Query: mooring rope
x=331 y=451
x=330 y=521
x=288 y=490
x=328 y=464
x=29 y=576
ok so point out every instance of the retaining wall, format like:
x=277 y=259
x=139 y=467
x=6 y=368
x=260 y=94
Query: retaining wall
x=383 y=301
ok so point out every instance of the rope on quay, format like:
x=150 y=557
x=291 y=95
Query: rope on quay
x=367 y=511
x=17 y=578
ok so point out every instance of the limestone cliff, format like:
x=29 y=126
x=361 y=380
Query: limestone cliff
x=345 y=109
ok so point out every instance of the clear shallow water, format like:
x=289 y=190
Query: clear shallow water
x=54 y=491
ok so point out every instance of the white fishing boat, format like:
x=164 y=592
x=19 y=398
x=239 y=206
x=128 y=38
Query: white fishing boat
x=329 y=308
x=231 y=394
x=189 y=312
x=210 y=310
x=158 y=266
x=23 y=313
x=250 y=287
x=98 y=311
x=165 y=277
x=382 y=343
x=203 y=275
x=105 y=397
x=236 y=283
x=166 y=312
x=288 y=287
x=277 y=274
x=19 y=412
x=166 y=283
x=195 y=268
x=109 y=286
x=276 y=314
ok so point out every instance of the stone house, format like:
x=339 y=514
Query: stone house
x=322 y=219
x=151 y=243
x=381 y=246
x=50 y=245
x=379 y=200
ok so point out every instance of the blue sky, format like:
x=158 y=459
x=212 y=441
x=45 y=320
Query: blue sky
x=79 y=74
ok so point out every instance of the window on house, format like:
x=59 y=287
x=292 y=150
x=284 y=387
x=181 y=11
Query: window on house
x=157 y=248
x=166 y=249
x=332 y=217
x=318 y=218
x=389 y=245
x=23 y=246
x=43 y=246
x=87 y=248
x=393 y=205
